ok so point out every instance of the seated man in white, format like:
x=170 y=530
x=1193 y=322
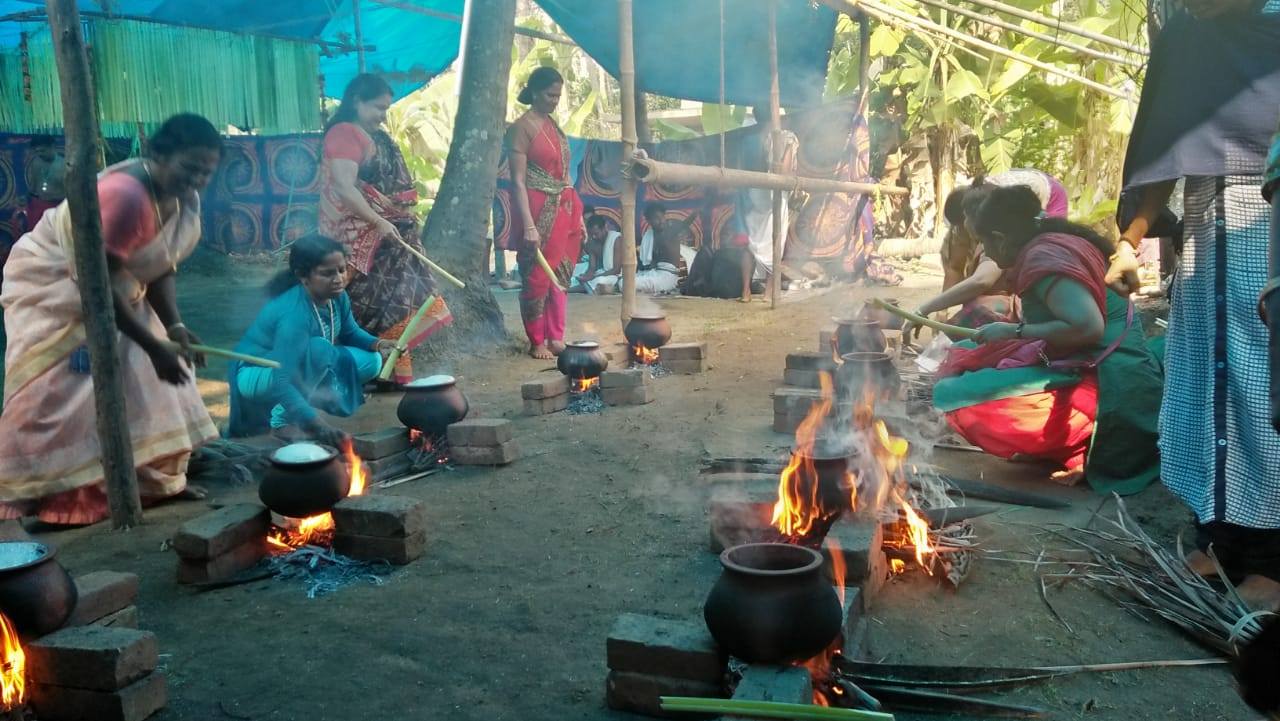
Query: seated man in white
x=659 y=269
x=604 y=258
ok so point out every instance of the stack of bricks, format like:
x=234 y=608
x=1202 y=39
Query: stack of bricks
x=95 y=672
x=804 y=369
x=483 y=442
x=545 y=395
x=105 y=598
x=684 y=358
x=791 y=405
x=651 y=657
x=384 y=453
x=221 y=544
x=630 y=387
x=380 y=528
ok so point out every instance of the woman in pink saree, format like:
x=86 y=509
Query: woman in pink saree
x=49 y=451
x=548 y=212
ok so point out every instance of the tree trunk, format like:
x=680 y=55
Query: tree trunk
x=455 y=233
x=943 y=147
x=80 y=121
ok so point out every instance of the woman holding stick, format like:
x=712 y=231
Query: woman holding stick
x=365 y=200
x=325 y=356
x=548 y=217
x=49 y=451
x=1073 y=382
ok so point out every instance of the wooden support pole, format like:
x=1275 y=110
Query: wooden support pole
x=657 y=171
x=627 y=81
x=1059 y=26
x=775 y=156
x=81 y=129
x=889 y=14
x=644 y=135
x=355 y=17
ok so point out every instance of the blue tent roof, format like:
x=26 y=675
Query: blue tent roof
x=677 y=46
x=411 y=48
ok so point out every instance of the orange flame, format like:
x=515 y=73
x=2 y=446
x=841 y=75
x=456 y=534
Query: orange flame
x=918 y=535
x=820 y=666
x=897 y=566
x=644 y=355
x=798 y=507
x=13 y=666
x=582 y=385
x=313 y=529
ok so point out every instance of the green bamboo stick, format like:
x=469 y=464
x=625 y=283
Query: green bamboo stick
x=768 y=709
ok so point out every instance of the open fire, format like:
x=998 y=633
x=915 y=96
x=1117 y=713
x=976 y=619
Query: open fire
x=643 y=355
x=582 y=385
x=318 y=529
x=13 y=667
x=426 y=449
x=801 y=507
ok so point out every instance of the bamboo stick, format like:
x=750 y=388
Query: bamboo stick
x=402 y=345
x=222 y=353
x=446 y=275
x=775 y=153
x=546 y=268
x=951 y=330
x=81 y=128
x=768 y=709
x=883 y=12
x=1058 y=25
x=997 y=22
x=649 y=170
x=627 y=83
x=355 y=19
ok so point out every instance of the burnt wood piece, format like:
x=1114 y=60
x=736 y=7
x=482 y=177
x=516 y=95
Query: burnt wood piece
x=991 y=492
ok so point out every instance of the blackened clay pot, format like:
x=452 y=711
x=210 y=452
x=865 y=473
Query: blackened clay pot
x=432 y=404
x=772 y=604
x=868 y=373
x=650 y=330
x=857 y=335
x=36 y=592
x=582 y=359
x=304 y=479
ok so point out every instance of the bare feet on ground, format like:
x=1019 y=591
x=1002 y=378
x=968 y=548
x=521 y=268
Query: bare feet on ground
x=540 y=352
x=1260 y=593
x=556 y=347
x=1067 y=478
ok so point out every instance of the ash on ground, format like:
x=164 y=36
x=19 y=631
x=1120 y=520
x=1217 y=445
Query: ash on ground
x=656 y=370
x=588 y=402
x=323 y=570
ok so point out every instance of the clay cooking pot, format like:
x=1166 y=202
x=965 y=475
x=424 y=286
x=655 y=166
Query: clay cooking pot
x=772 y=604
x=831 y=464
x=431 y=404
x=876 y=371
x=650 y=330
x=887 y=320
x=582 y=359
x=36 y=592
x=305 y=479
x=854 y=335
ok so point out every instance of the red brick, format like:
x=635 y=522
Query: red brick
x=398 y=551
x=857 y=539
x=811 y=361
x=635 y=396
x=383 y=516
x=480 y=432
x=380 y=444
x=92 y=657
x=102 y=593
x=216 y=533
x=789 y=400
x=802 y=379
x=240 y=558
x=508 y=452
x=629 y=378
x=126 y=617
x=852 y=616
x=640 y=693
x=132 y=703
x=545 y=406
x=396 y=464
x=664 y=646
x=687 y=367
x=783 y=423
x=548 y=387
x=682 y=351
x=782 y=684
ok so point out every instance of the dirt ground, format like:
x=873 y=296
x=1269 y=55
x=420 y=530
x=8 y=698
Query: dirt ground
x=527 y=566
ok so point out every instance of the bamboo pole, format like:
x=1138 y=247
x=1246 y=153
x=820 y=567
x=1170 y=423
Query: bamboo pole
x=96 y=303
x=883 y=12
x=222 y=353
x=951 y=330
x=355 y=18
x=997 y=22
x=446 y=275
x=656 y=171
x=1058 y=25
x=402 y=344
x=627 y=81
x=775 y=156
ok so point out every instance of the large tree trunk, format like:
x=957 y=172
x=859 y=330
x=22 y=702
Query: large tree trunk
x=455 y=233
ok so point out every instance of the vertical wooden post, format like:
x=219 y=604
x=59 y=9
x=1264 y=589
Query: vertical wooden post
x=643 y=132
x=80 y=121
x=775 y=152
x=355 y=17
x=627 y=81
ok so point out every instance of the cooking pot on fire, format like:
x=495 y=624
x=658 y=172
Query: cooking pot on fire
x=887 y=320
x=650 y=330
x=857 y=335
x=304 y=479
x=432 y=404
x=772 y=604
x=36 y=592
x=582 y=359
x=868 y=373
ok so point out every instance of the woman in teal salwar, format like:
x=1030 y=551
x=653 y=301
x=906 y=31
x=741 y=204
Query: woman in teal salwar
x=1074 y=382
x=325 y=357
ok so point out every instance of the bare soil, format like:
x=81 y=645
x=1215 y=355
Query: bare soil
x=527 y=566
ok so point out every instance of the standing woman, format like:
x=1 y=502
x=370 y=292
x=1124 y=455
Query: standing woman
x=49 y=451
x=548 y=212
x=365 y=197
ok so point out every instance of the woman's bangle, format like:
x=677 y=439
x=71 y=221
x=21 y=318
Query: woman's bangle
x=1022 y=324
x=175 y=326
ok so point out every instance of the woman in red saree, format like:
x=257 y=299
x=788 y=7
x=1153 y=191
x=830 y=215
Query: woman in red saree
x=365 y=200
x=548 y=212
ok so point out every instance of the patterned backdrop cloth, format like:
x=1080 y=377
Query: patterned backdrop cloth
x=832 y=229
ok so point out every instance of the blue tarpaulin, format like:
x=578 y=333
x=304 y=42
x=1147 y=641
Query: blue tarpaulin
x=677 y=46
x=411 y=48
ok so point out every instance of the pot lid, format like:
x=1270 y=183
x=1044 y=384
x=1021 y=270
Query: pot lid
x=866 y=356
x=300 y=453
x=586 y=344
x=651 y=315
x=21 y=554
x=436 y=381
x=853 y=320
